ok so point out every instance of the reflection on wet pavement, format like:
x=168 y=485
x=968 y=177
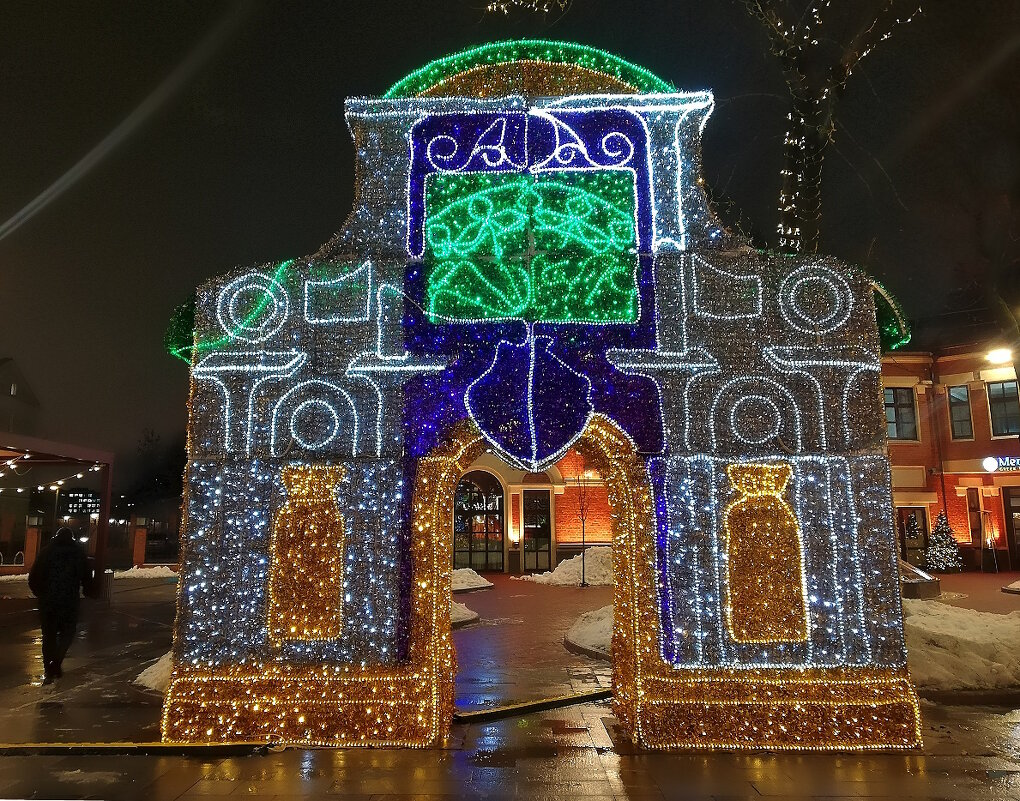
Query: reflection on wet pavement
x=515 y=652
x=969 y=753
x=95 y=701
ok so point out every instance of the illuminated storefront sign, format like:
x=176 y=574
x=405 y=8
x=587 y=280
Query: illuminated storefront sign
x=1001 y=464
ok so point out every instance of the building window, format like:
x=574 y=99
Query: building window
x=1004 y=408
x=478 y=522
x=959 y=412
x=900 y=415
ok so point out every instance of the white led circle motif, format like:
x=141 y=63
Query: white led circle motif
x=815 y=300
x=252 y=308
x=304 y=417
x=755 y=419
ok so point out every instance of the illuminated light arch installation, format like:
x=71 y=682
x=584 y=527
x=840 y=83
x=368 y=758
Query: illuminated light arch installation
x=520 y=64
x=531 y=264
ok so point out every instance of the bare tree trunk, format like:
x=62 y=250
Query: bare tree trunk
x=818 y=44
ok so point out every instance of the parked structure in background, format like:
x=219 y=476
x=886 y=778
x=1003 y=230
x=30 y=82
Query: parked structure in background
x=45 y=486
x=953 y=420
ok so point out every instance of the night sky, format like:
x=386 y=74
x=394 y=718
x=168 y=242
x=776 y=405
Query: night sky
x=249 y=160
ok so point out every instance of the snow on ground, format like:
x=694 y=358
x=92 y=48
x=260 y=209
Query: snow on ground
x=157 y=675
x=593 y=630
x=156 y=572
x=948 y=648
x=459 y=613
x=598 y=569
x=464 y=578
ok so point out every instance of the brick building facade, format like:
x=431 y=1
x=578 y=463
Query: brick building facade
x=952 y=417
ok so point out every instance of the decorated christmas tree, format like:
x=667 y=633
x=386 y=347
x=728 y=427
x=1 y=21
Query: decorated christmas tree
x=942 y=554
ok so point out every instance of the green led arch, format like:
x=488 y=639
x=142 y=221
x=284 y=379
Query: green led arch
x=541 y=50
x=893 y=328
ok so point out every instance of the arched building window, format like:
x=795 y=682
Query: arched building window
x=479 y=522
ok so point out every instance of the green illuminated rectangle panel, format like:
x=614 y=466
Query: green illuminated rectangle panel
x=553 y=247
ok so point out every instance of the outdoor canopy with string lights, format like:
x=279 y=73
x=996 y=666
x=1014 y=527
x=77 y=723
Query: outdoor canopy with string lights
x=29 y=463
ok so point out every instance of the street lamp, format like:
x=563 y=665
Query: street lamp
x=1000 y=356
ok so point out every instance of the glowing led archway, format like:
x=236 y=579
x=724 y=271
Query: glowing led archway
x=531 y=265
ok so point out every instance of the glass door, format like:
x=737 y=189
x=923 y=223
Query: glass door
x=974 y=517
x=478 y=523
x=1011 y=505
x=912 y=522
x=537 y=530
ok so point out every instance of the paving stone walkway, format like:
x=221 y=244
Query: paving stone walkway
x=572 y=753
x=515 y=654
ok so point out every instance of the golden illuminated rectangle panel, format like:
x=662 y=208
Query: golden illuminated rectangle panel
x=766 y=598
x=307 y=557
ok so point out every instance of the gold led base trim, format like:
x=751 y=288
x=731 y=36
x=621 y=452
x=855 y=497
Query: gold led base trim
x=816 y=709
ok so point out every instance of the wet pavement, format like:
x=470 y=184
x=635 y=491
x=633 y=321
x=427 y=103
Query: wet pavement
x=515 y=654
x=981 y=591
x=95 y=701
x=570 y=753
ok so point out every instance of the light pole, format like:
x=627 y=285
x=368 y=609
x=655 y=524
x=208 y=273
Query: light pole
x=56 y=506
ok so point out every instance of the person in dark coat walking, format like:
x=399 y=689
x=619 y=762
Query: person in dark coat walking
x=60 y=572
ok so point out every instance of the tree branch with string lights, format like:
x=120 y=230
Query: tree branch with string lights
x=818 y=44
x=537 y=6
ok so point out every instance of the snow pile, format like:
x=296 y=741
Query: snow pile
x=598 y=569
x=949 y=648
x=156 y=572
x=593 y=631
x=15 y=577
x=464 y=578
x=459 y=613
x=157 y=675
x=1014 y=587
